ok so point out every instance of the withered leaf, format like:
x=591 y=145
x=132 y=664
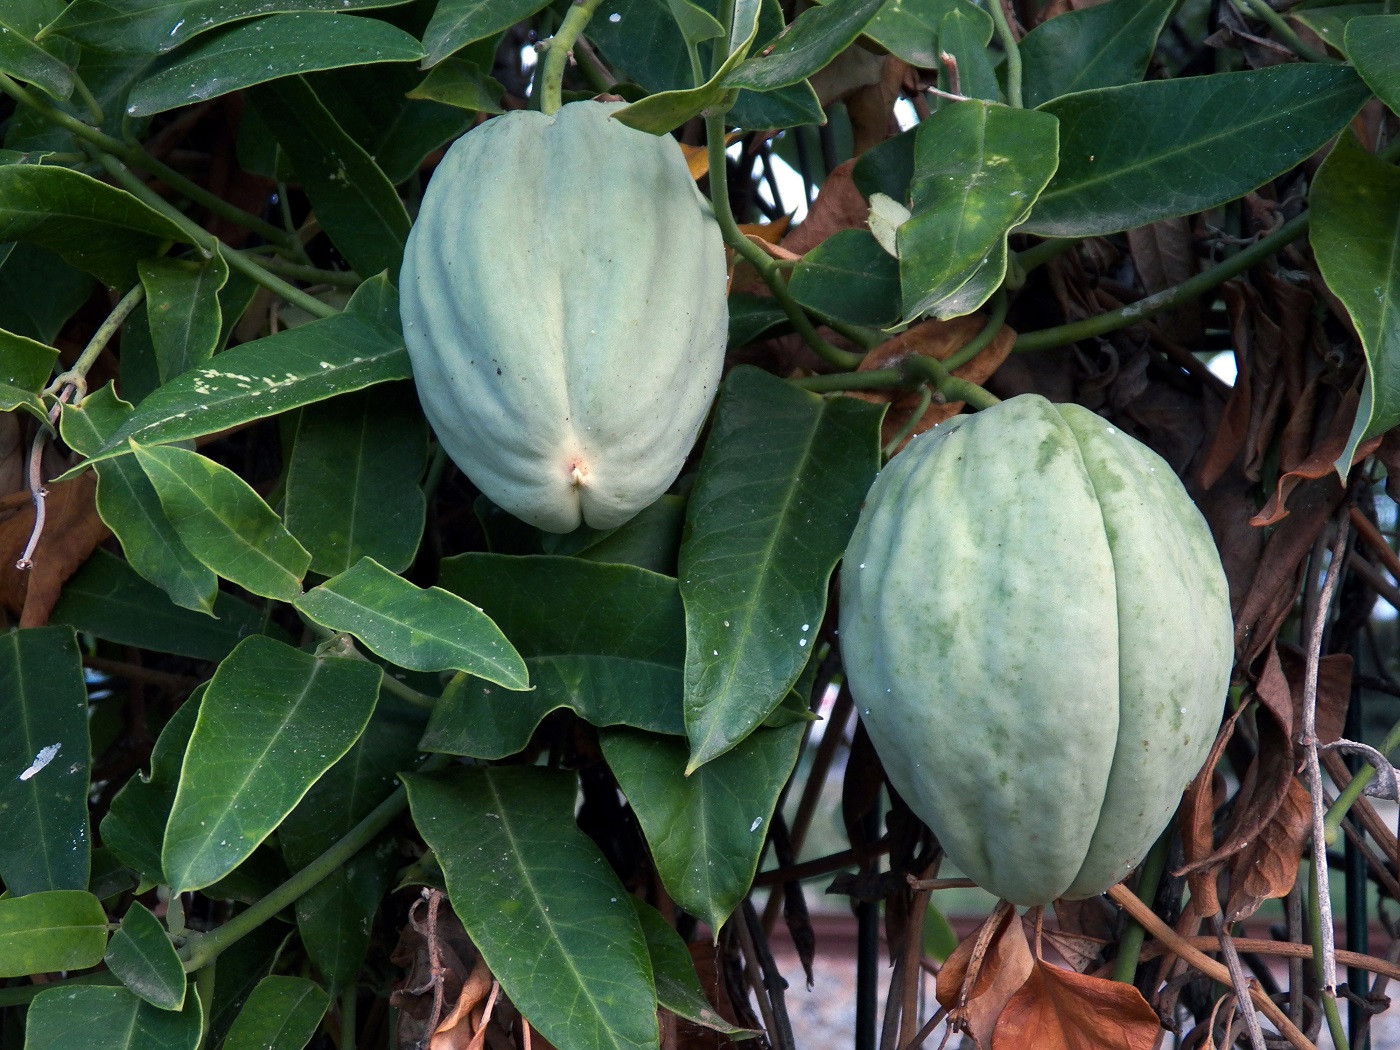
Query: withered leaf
x=1007 y=962
x=1319 y=463
x=1333 y=690
x=1197 y=821
x=1058 y=1009
x=1075 y=948
x=839 y=206
x=72 y=531
x=1268 y=868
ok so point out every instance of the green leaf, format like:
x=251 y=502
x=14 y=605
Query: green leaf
x=273 y=720
x=262 y=378
x=781 y=482
x=1355 y=233
x=978 y=168
x=283 y=1013
x=1244 y=129
x=706 y=829
x=1094 y=47
x=887 y=168
x=422 y=630
x=51 y=930
x=773 y=110
x=107 y=599
x=909 y=28
x=695 y=23
x=39 y=292
x=964 y=35
x=182 y=304
x=25 y=60
x=1373 y=44
x=677 y=985
x=98 y=228
x=650 y=540
x=457 y=23
x=1329 y=19
x=274 y=46
x=752 y=315
x=98 y=1018
x=335 y=918
x=25 y=366
x=538 y=899
x=141 y=954
x=353 y=483
x=818 y=35
x=135 y=822
x=353 y=199
x=849 y=277
x=154 y=28
x=606 y=641
x=457 y=82
x=129 y=506
x=224 y=523
x=45 y=757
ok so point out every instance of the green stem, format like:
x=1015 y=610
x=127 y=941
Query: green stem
x=875 y=379
x=1261 y=10
x=1355 y=787
x=1013 y=53
x=1329 y=999
x=204 y=985
x=1130 y=946
x=1039 y=254
x=914 y=370
x=85 y=94
x=137 y=157
x=1152 y=305
x=556 y=56
x=210 y=244
x=200 y=951
x=892 y=446
x=76 y=376
x=345 y=648
x=26 y=992
x=982 y=339
x=313 y=274
x=756 y=257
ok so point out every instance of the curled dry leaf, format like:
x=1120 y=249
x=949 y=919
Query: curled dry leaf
x=839 y=206
x=1058 y=1009
x=1004 y=968
x=939 y=340
x=464 y=1028
x=72 y=531
x=1079 y=951
x=1197 y=821
x=1267 y=869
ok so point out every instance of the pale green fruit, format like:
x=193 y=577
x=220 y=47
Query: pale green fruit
x=1036 y=628
x=563 y=302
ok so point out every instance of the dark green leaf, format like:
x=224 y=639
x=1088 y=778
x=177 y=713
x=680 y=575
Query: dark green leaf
x=107 y=599
x=1373 y=44
x=817 y=36
x=784 y=108
x=98 y=228
x=752 y=315
x=650 y=540
x=1329 y=19
x=606 y=641
x=978 y=168
x=695 y=23
x=463 y=84
x=353 y=484
x=283 y=1013
x=1094 y=47
x=354 y=200
x=1355 y=234
x=706 y=829
x=182 y=305
x=887 y=168
x=658 y=114
x=129 y=506
x=45 y=757
x=780 y=485
x=140 y=953
x=849 y=277
x=135 y=823
x=964 y=35
x=677 y=986
x=39 y=292
x=537 y=898
x=909 y=28
x=154 y=28
x=273 y=720
x=224 y=523
x=265 y=377
x=457 y=23
x=51 y=930
x=238 y=971
x=1244 y=129
x=255 y=52
x=25 y=60
x=108 y=1019
x=25 y=366
x=422 y=630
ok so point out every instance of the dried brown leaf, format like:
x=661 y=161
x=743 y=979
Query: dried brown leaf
x=1197 y=822
x=1319 y=463
x=72 y=531
x=1058 y=1009
x=839 y=206
x=1333 y=690
x=871 y=107
x=1079 y=951
x=1165 y=255
x=1269 y=867
x=1004 y=968
x=939 y=340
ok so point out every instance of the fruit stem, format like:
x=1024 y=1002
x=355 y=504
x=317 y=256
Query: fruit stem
x=1150 y=874
x=557 y=54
